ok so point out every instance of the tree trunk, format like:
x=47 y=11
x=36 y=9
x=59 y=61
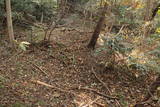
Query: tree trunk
x=98 y=29
x=154 y=12
x=9 y=22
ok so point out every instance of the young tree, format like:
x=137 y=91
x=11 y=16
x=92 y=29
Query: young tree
x=9 y=22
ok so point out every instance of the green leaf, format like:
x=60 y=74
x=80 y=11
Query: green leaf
x=23 y=45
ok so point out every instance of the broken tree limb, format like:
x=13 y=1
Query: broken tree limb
x=69 y=92
x=51 y=86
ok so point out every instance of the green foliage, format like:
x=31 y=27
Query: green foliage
x=114 y=47
x=24 y=45
x=45 y=9
x=82 y=1
x=125 y=15
x=133 y=63
x=115 y=44
x=29 y=10
x=141 y=61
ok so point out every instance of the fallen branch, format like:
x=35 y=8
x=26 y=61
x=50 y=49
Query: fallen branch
x=120 y=30
x=104 y=86
x=39 y=69
x=79 y=88
x=51 y=86
x=96 y=92
x=100 y=81
x=99 y=105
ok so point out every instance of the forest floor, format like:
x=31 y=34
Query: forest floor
x=65 y=74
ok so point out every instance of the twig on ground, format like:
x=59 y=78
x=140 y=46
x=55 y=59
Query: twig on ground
x=90 y=103
x=152 y=89
x=39 y=69
x=120 y=30
x=105 y=86
x=96 y=92
x=51 y=86
x=100 y=81
x=100 y=105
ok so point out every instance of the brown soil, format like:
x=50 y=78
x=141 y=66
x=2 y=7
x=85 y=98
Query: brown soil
x=65 y=74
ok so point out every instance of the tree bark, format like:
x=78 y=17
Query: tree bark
x=154 y=12
x=98 y=29
x=9 y=23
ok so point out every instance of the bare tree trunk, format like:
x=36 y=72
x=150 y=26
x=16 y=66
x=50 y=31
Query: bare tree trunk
x=98 y=29
x=154 y=11
x=9 y=22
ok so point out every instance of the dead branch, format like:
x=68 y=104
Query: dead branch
x=53 y=27
x=39 y=69
x=96 y=92
x=100 y=80
x=51 y=86
x=105 y=86
x=120 y=30
x=100 y=105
